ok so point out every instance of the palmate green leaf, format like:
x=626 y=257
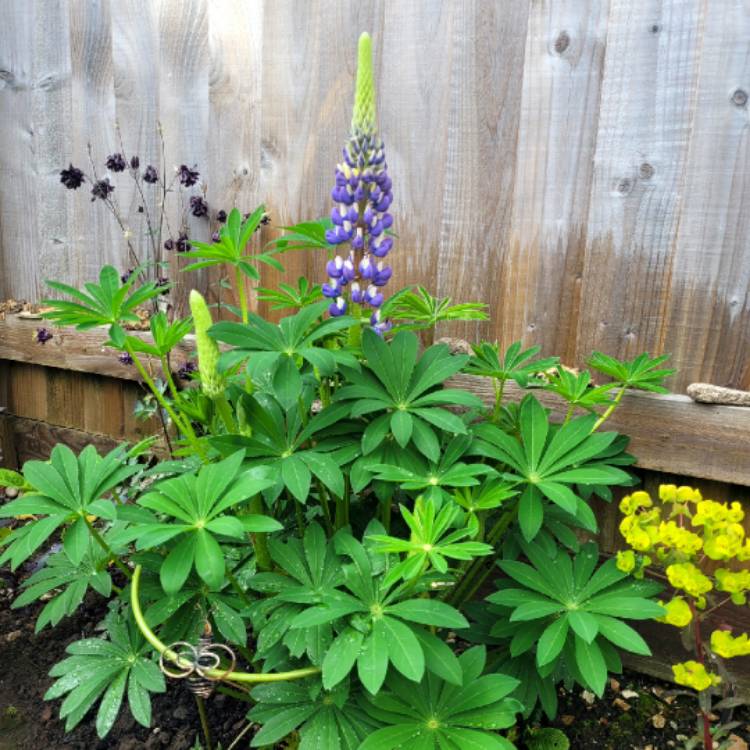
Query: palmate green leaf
x=193 y=505
x=325 y=720
x=550 y=463
x=103 y=669
x=643 y=372
x=399 y=392
x=415 y=309
x=516 y=364
x=110 y=302
x=67 y=488
x=568 y=614
x=435 y=714
x=73 y=580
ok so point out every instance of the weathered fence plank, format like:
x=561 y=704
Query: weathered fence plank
x=580 y=166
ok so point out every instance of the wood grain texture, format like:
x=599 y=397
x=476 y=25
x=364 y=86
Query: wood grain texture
x=668 y=432
x=582 y=167
x=69 y=349
x=543 y=269
x=648 y=101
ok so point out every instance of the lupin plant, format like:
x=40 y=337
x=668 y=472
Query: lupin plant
x=362 y=196
x=324 y=518
x=680 y=536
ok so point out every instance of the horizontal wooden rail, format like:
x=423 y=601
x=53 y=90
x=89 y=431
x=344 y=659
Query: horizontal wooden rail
x=70 y=349
x=669 y=433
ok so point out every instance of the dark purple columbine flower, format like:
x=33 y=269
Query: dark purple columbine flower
x=198 y=207
x=163 y=283
x=116 y=163
x=186 y=370
x=42 y=335
x=221 y=216
x=362 y=194
x=215 y=237
x=150 y=175
x=169 y=244
x=102 y=189
x=188 y=177
x=135 y=162
x=182 y=245
x=125 y=359
x=126 y=276
x=72 y=177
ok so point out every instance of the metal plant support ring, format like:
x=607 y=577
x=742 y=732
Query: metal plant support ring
x=188 y=665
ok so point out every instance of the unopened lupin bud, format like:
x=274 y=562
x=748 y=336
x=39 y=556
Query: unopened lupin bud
x=212 y=384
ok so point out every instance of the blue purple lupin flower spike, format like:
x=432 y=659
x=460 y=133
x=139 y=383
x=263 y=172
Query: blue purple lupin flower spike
x=362 y=194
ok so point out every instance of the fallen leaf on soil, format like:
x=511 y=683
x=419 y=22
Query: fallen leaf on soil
x=658 y=721
x=614 y=684
x=567 y=719
x=621 y=704
x=629 y=694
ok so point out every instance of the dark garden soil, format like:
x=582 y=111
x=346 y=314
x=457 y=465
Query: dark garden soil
x=637 y=713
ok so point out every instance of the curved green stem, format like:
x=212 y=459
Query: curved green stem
x=184 y=427
x=608 y=413
x=103 y=544
x=211 y=674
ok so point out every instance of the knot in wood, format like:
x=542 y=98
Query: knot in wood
x=739 y=98
x=624 y=186
x=646 y=171
x=562 y=42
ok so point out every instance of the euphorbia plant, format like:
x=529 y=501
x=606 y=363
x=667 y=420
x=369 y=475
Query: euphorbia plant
x=680 y=536
x=334 y=507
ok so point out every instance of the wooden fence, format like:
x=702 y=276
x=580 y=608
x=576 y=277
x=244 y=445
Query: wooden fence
x=583 y=166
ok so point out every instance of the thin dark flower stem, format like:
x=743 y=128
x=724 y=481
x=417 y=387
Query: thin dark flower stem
x=240 y=736
x=708 y=741
x=204 y=721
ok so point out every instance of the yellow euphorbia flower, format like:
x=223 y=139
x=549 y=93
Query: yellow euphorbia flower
x=678 y=612
x=689 y=578
x=632 y=503
x=672 y=535
x=724 y=644
x=693 y=674
x=626 y=560
x=733 y=582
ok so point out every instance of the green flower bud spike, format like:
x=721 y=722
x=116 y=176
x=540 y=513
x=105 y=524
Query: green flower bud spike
x=212 y=383
x=363 y=118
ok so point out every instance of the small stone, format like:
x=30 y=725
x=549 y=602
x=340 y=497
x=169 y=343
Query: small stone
x=658 y=721
x=707 y=393
x=12 y=636
x=589 y=697
x=614 y=684
x=629 y=694
x=621 y=704
x=47 y=713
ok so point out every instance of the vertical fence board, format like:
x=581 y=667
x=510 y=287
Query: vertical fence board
x=485 y=84
x=708 y=321
x=563 y=68
x=645 y=118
